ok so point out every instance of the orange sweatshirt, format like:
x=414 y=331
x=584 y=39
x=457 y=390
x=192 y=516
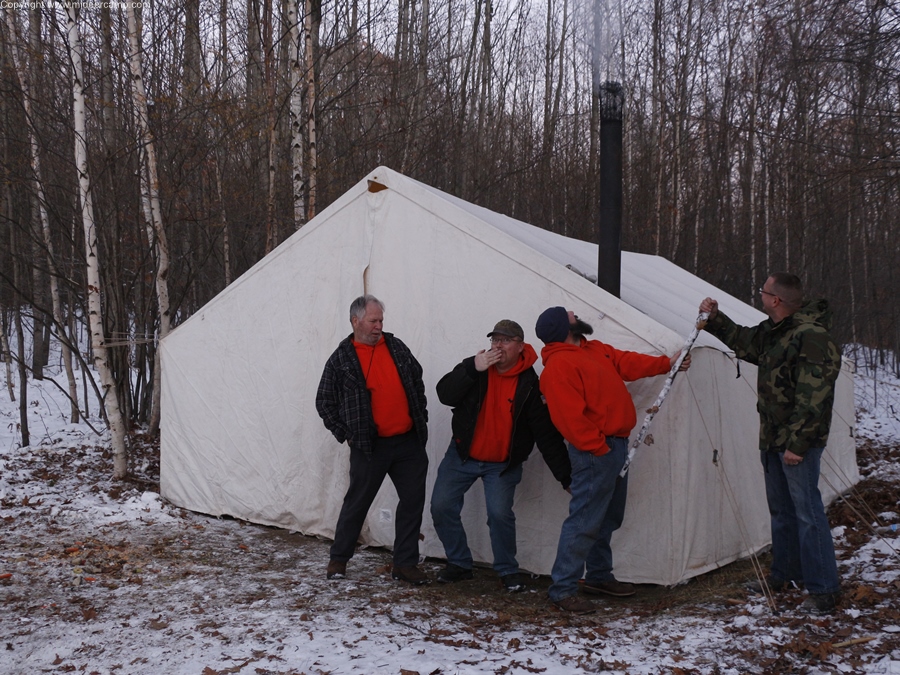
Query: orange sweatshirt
x=390 y=408
x=585 y=390
x=493 y=430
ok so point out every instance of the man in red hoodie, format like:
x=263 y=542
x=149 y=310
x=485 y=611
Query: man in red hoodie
x=584 y=384
x=498 y=414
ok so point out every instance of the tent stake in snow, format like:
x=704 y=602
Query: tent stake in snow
x=651 y=413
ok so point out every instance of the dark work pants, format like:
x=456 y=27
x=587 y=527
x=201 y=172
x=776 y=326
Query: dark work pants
x=403 y=459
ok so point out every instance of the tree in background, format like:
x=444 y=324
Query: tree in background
x=757 y=137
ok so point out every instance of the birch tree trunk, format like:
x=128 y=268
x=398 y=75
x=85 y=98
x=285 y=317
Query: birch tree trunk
x=41 y=204
x=298 y=179
x=23 y=377
x=310 y=36
x=6 y=211
x=226 y=239
x=6 y=354
x=150 y=190
x=18 y=301
x=40 y=339
x=95 y=309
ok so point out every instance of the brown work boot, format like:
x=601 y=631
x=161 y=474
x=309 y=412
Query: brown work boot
x=618 y=589
x=575 y=604
x=337 y=569
x=411 y=575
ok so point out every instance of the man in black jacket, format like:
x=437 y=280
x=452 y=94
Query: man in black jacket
x=371 y=395
x=498 y=414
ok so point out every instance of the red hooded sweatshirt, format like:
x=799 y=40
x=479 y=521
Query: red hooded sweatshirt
x=585 y=390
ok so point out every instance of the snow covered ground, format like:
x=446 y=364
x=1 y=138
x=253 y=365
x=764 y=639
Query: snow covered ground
x=104 y=577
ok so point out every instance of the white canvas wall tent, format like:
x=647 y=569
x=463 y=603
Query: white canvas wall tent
x=240 y=433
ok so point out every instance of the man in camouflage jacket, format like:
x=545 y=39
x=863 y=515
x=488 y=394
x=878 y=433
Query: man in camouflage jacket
x=798 y=364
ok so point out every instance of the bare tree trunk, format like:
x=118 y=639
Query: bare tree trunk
x=271 y=123
x=222 y=74
x=311 y=37
x=656 y=131
x=419 y=96
x=6 y=354
x=95 y=310
x=596 y=81
x=226 y=240
x=465 y=162
x=108 y=84
x=39 y=339
x=155 y=231
x=485 y=82
x=555 y=58
x=193 y=58
x=20 y=341
x=41 y=211
x=23 y=378
x=6 y=211
x=223 y=71
x=298 y=180
x=750 y=180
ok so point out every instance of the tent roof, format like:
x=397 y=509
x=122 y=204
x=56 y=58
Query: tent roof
x=651 y=284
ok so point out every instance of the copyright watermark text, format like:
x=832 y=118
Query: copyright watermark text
x=77 y=4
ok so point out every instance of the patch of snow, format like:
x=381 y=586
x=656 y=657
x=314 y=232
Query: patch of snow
x=103 y=577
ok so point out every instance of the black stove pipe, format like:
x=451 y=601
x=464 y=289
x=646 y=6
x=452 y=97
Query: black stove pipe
x=609 y=263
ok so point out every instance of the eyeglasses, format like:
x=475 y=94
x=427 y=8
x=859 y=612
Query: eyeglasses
x=502 y=340
x=762 y=292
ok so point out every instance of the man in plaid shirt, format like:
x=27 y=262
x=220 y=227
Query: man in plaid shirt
x=372 y=396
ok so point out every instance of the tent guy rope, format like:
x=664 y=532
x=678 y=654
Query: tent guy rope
x=699 y=325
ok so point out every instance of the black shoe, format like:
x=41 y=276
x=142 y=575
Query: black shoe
x=411 y=575
x=774 y=584
x=453 y=573
x=513 y=583
x=820 y=603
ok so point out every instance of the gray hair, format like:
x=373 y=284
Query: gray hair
x=358 y=307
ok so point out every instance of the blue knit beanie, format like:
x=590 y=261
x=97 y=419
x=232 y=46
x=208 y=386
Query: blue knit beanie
x=553 y=325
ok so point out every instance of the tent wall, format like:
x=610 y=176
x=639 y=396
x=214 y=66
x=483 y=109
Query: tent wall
x=240 y=435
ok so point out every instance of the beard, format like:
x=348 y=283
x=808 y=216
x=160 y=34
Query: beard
x=580 y=328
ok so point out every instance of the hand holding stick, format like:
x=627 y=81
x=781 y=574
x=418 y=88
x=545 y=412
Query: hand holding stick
x=678 y=361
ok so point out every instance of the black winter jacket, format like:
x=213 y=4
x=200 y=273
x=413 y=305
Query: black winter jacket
x=464 y=389
x=344 y=404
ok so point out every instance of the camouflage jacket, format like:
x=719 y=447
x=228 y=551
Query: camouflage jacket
x=798 y=364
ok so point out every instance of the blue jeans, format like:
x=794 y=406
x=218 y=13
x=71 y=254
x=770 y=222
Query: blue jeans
x=802 y=548
x=454 y=478
x=596 y=510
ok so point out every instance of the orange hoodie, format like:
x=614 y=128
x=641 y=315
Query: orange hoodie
x=493 y=430
x=585 y=390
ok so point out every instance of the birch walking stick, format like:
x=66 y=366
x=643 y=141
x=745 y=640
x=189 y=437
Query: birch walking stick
x=651 y=413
